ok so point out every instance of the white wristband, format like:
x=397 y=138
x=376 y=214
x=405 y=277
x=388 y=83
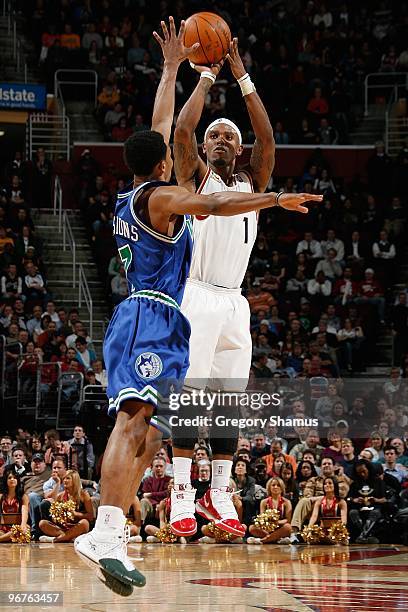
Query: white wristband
x=246 y=85
x=208 y=75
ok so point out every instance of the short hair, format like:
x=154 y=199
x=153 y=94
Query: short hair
x=143 y=151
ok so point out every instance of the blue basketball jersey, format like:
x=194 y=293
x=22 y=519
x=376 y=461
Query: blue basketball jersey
x=152 y=261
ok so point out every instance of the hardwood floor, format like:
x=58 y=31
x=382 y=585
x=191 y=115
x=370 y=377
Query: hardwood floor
x=219 y=578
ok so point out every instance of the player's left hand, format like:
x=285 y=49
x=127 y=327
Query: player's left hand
x=172 y=45
x=235 y=61
x=296 y=201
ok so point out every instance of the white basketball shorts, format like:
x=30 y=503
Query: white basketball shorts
x=220 y=341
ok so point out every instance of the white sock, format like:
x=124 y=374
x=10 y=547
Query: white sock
x=221 y=473
x=110 y=517
x=182 y=470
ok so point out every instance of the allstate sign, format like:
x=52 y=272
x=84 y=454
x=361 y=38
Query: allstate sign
x=22 y=96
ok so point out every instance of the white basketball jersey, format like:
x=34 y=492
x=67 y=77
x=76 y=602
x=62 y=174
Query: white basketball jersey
x=223 y=245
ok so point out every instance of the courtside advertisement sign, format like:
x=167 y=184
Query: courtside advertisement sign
x=22 y=96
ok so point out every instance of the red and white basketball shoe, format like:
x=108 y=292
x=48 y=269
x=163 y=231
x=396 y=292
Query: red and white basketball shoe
x=217 y=506
x=182 y=519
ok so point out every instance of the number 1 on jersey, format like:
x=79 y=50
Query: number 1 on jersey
x=246 y=230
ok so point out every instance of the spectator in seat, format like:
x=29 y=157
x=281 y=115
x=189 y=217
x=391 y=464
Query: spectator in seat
x=113 y=117
x=350 y=339
x=260 y=300
x=246 y=487
x=324 y=184
x=54 y=448
x=319 y=288
x=370 y=292
x=326 y=133
x=384 y=253
x=50 y=310
x=330 y=266
x=34 y=283
x=92 y=36
x=84 y=355
x=33 y=482
x=310 y=247
x=349 y=458
x=391 y=465
x=281 y=137
x=356 y=251
x=83 y=452
x=154 y=489
x=121 y=131
x=12 y=284
x=311 y=443
x=259 y=448
x=100 y=373
x=345 y=289
x=34 y=324
x=364 y=475
x=317 y=104
x=70 y=40
x=332 y=242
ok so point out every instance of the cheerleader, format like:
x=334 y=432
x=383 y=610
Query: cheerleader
x=163 y=534
x=82 y=515
x=13 y=505
x=329 y=508
x=329 y=517
x=275 y=488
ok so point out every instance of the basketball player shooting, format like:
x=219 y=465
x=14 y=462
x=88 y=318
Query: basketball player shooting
x=147 y=341
x=220 y=342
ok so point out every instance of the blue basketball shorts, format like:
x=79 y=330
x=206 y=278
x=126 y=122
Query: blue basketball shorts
x=146 y=353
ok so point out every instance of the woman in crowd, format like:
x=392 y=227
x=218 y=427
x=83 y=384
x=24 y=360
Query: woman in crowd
x=275 y=501
x=305 y=470
x=277 y=465
x=350 y=338
x=13 y=505
x=82 y=515
x=291 y=487
x=245 y=489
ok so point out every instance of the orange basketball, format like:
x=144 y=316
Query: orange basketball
x=213 y=34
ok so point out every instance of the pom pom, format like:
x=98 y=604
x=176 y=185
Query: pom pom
x=20 y=535
x=218 y=534
x=62 y=513
x=268 y=520
x=165 y=535
x=338 y=534
x=312 y=534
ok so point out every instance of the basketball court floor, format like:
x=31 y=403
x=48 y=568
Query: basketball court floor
x=219 y=578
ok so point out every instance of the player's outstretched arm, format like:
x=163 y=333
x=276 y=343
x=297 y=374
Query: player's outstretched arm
x=168 y=201
x=262 y=160
x=174 y=53
x=187 y=162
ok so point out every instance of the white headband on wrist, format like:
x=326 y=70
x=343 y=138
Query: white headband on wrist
x=231 y=124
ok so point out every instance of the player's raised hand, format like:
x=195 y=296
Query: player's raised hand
x=214 y=68
x=235 y=61
x=172 y=45
x=296 y=201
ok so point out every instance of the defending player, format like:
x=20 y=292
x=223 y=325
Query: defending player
x=220 y=343
x=146 y=343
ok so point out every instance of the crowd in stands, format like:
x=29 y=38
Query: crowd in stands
x=308 y=59
x=296 y=475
